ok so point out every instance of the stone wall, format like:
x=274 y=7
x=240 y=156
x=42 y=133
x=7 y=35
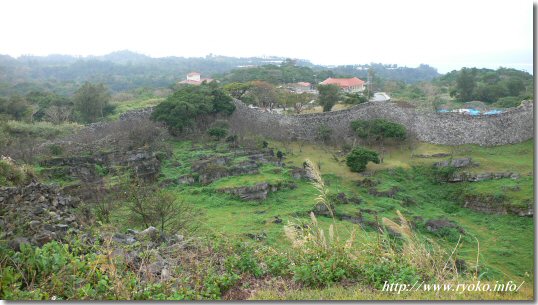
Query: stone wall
x=513 y=126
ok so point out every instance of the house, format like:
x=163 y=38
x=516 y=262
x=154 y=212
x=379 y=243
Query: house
x=193 y=78
x=301 y=87
x=346 y=84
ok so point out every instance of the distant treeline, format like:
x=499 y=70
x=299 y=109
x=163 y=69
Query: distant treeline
x=125 y=70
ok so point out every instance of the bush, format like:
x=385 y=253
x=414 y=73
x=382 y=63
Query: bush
x=359 y=158
x=378 y=129
x=13 y=175
x=324 y=133
x=231 y=139
x=43 y=130
x=217 y=132
x=508 y=102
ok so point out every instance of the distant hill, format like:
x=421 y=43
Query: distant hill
x=125 y=70
x=390 y=72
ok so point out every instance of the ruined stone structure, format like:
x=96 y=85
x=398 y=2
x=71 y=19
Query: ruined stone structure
x=513 y=126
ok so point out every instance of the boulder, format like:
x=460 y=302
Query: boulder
x=456 y=162
x=298 y=173
x=434 y=225
x=186 y=180
x=388 y=193
x=466 y=176
x=36 y=213
x=16 y=243
x=323 y=209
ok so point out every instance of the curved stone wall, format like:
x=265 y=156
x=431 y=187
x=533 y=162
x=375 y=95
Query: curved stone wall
x=513 y=126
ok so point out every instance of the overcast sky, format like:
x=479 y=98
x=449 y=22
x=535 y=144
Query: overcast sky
x=444 y=34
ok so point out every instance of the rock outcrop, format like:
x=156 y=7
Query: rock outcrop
x=258 y=191
x=466 y=176
x=86 y=172
x=434 y=225
x=493 y=205
x=36 y=214
x=456 y=163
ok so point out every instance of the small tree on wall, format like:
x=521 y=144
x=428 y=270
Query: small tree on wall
x=359 y=158
x=328 y=96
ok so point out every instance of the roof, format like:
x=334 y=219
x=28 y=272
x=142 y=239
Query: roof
x=193 y=73
x=195 y=82
x=304 y=84
x=343 y=82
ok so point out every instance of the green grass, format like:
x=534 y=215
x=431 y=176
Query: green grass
x=122 y=107
x=505 y=241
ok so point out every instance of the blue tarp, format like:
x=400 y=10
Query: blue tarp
x=471 y=111
x=494 y=111
x=474 y=111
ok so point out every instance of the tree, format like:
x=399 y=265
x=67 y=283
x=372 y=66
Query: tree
x=295 y=100
x=279 y=155
x=354 y=98
x=217 y=132
x=17 y=107
x=91 y=102
x=514 y=86
x=191 y=104
x=324 y=133
x=465 y=84
x=359 y=158
x=237 y=89
x=263 y=94
x=328 y=96
x=58 y=114
x=158 y=208
x=378 y=129
x=44 y=100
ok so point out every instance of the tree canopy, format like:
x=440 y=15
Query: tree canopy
x=328 y=96
x=487 y=85
x=91 y=102
x=359 y=157
x=189 y=103
x=378 y=129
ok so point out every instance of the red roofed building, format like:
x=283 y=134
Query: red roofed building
x=346 y=84
x=193 y=78
x=301 y=87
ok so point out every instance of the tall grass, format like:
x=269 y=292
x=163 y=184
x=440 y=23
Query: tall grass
x=364 y=257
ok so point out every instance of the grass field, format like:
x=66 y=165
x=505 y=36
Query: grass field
x=504 y=242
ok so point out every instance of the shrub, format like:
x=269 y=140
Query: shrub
x=231 y=139
x=508 y=102
x=378 y=129
x=44 y=130
x=217 y=132
x=13 y=175
x=359 y=158
x=324 y=133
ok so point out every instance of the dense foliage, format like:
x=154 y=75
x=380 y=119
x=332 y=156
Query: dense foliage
x=488 y=85
x=378 y=129
x=92 y=102
x=181 y=110
x=328 y=96
x=391 y=71
x=287 y=72
x=359 y=158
